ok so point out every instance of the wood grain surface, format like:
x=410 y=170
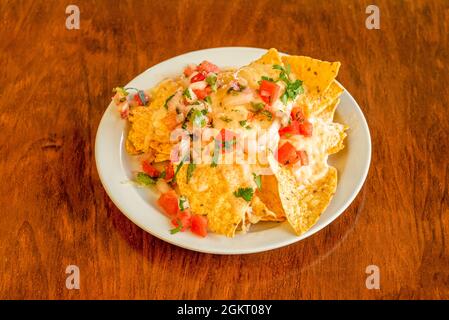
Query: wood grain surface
x=56 y=83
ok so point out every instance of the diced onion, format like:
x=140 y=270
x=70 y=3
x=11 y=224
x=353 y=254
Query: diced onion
x=199 y=85
x=162 y=186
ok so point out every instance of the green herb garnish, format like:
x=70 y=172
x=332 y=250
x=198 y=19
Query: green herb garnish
x=225 y=119
x=168 y=100
x=197 y=118
x=212 y=81
x=245 y=193
x=257 y=107
x=178 y=228
x=293 y=88
x=187 y=94
x=144 y=179
x=208 y=100
x=258 y=180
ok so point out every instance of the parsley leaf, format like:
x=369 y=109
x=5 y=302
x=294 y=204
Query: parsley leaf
x=258 y=180
x=245 y=193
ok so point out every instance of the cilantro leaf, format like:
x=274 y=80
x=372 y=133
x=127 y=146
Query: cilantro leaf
x=144 y=179
x=245 y=193
x=208 y=100
x=258 y=180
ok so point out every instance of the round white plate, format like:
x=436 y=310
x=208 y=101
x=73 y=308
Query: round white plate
x=115 y=166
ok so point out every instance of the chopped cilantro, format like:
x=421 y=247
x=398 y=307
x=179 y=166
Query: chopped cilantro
x=187 y=94
x=178 y=228
x=168 y=100
x=144 y=179
x=257 y=106
x=225 y=119
x=208 y=100
x=244 y=124
x=258 y=180
x=245 y=193
x=267 y=113
x=212 y=81
x=182 y=203
x=198 y=119
x=293 y=88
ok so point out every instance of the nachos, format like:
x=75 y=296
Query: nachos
x=229 y=148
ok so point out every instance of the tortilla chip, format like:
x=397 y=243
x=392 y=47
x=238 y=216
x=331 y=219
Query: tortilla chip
x=303 y=206
x=327 y=114
x=269 y=196
x=260 y=212
x=334 y=141
x=148 y=123
x=316 y=75
x=271 y=57
x=261 y=67
x=210 y=192
x=329 y=97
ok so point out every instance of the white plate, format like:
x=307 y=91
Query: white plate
x=114 y=166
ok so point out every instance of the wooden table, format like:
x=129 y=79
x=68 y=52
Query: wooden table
x=55 y=84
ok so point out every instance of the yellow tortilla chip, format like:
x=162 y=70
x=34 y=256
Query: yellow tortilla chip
x=261 y=67
x=316 y=75
x=210 y=191
x=327 y=114
x=260 y=212
x=303 y=206
x=269 y=196
x=271 y=57
x=149 y=124
x=334 y=141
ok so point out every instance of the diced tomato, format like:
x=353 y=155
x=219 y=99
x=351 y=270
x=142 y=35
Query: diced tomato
x=184 y=217
x=306 y=128
x=287 y=154
x=201 y=94
x=207 y=67
x=198 y=77
x=189 y=70
x=169 y=203
x=297 y=114
x=291 y=129
x=138 y=100
x=169 y=171
x=199 y=225
x=269 y=91
x=302 y=155
x=150 y=170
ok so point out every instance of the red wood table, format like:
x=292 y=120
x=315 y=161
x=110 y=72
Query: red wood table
x=55 y=84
